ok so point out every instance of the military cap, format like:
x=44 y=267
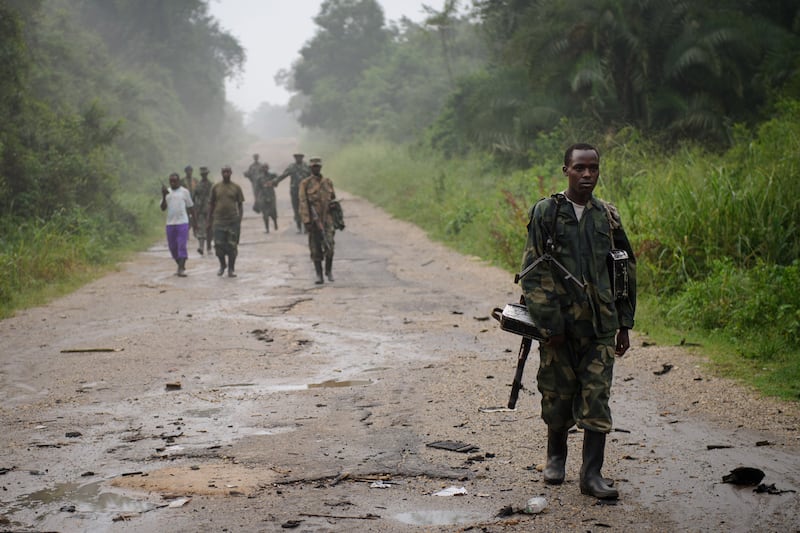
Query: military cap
x=203 y=170
x=298 y=155
x=188 y=167
x=315 y=161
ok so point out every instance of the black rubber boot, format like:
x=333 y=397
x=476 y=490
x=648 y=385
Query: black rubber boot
x=592 y=482
x=231 y=266
x=182 y=267
x=328 y=267
x=222 y=265
x=318 y=268
x=200 y=243
x=555 y=468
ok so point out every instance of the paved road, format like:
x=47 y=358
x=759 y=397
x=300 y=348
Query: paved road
x=265 y=401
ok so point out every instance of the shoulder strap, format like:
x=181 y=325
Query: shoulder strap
x=614 y=220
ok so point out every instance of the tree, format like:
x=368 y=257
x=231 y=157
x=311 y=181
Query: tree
x=350 y=36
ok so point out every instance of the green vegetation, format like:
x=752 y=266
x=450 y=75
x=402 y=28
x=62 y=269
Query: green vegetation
x=717 y=252
x=100 y=101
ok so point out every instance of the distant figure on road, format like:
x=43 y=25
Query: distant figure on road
x=201 y=197
x=188 y=181
x=315 y=195
x=177 y=202
x=252 y=173
x=265 y=199
x=583 y=298
x=225 y=213
x=298 y=172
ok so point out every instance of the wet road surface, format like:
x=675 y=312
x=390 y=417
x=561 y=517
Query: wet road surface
x=148 y=402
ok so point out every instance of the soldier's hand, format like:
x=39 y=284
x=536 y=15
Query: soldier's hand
x=623 y=342
x=555 y=341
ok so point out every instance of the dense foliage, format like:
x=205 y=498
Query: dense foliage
x=358 y=77
x=100 y=98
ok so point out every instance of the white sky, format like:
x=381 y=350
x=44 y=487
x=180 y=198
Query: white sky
x=273 y=32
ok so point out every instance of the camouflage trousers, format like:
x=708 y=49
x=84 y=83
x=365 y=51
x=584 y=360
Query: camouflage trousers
x=575 y=382
x=315 y=243
x=226 y=239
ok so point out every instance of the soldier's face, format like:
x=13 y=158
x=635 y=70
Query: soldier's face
x=204 y=175
x=582 y=172
x=226 y=175
x=316 y=169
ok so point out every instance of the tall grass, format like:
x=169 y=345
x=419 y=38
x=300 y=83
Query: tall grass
x=716 y=235
x=43 y=258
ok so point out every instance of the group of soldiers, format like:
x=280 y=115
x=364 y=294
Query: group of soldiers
x=264 y=183
x=316 y=211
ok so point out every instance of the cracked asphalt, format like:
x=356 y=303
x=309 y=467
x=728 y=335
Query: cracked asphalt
x=148 y=402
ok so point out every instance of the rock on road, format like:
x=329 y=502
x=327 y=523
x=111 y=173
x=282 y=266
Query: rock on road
x=148 y=402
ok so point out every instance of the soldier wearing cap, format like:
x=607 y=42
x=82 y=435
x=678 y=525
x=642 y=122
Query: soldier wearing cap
x=188 y=181
x=225 y=219
x=315 y=195
x=201 y=196
x=298 y=172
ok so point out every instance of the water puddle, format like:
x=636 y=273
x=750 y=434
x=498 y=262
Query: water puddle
x=438 y=517
x=74 y=498
x=332 y=383
x=267 y=431
x=203 y=413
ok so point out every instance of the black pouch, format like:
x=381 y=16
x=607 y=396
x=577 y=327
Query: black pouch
x=618 y=273
x=335 y=209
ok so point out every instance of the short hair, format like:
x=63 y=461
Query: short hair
x=578 y=146
x=176 y=175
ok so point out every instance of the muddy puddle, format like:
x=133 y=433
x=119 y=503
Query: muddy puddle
x=93 y=502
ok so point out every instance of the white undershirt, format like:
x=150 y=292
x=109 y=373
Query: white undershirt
x=579 y=209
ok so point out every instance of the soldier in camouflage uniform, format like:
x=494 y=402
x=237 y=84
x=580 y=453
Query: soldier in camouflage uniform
x=252 y=173
x=298 y=172
x=316 y=193
x=265 y=196
x=585 y=325
x=200 y=197
x=225 y=220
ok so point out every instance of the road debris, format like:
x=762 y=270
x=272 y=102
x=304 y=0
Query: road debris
x=453 y=446
x=92 y=350
x=744 y=475
x=173 y=385
x=451 y=491
x=665 y=367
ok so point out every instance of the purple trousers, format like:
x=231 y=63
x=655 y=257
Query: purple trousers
x=177 y=237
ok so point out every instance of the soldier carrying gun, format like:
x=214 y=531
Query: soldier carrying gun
x=316 y=194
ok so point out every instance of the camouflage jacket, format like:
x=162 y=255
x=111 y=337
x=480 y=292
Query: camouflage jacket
x=582 y=248
x=202 y=194
x=298 y=173
x=317 y=193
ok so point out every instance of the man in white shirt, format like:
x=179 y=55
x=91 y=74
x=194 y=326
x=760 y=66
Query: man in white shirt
x=177 y=202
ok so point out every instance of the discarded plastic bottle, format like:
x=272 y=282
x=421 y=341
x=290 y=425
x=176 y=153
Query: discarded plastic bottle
x=535 y=505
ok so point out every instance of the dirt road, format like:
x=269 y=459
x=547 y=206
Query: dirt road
x=265 y=402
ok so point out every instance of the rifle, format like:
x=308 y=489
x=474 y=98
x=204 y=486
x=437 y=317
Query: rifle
x=522 y=358
x=318 y=225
